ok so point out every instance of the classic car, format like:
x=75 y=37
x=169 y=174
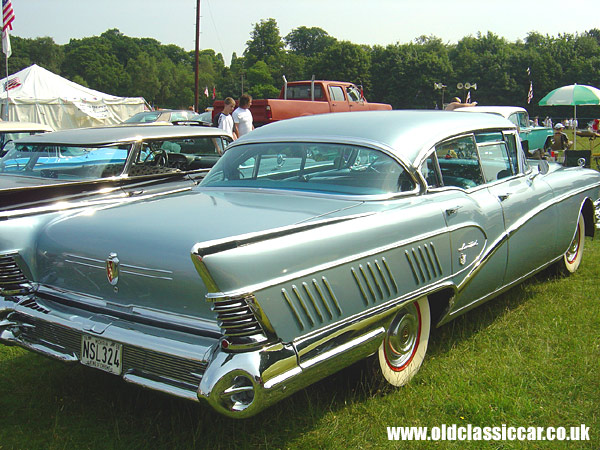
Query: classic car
x=43 y=171
x=9 y=131
x=534 y=138
x=312 y=243
x=170 y=115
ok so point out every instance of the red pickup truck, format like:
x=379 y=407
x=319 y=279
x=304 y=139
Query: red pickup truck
x=305 y=98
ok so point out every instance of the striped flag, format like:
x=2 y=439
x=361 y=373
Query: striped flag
x=530 y=93
x=8 y=15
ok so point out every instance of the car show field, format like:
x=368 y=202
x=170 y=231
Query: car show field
x=361 y=242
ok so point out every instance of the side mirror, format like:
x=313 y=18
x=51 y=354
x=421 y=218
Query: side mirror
x=543 y=169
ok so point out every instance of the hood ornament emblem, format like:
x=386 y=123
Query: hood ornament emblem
x=112 y=269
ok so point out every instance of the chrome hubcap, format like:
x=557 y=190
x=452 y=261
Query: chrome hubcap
x=402 y=337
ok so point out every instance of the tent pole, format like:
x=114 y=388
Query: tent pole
x=574 y=127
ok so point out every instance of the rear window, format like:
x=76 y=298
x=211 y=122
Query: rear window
x=317 y=167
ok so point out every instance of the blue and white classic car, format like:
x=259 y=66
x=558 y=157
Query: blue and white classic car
x=312 y=243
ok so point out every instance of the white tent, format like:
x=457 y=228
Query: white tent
x=37 y=95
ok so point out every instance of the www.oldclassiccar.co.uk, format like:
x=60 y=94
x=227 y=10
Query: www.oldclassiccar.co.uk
x=497 y=433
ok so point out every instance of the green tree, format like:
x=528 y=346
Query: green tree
x=344 y=61
x=260 y=82
x=308 y=42
x=265 y=42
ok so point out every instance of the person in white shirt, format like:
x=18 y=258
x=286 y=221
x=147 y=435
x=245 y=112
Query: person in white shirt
x=225 y=118
x=242 y=117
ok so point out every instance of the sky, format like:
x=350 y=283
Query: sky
x=226 y=25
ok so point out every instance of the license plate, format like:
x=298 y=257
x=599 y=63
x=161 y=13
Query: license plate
x=101 y=354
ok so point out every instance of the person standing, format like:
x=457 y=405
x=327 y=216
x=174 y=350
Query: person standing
x=225 y=121
x=242 y=117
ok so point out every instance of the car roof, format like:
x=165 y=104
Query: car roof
x=504 y=111
x=8 y=126
x=405 y=133
x=121 y=133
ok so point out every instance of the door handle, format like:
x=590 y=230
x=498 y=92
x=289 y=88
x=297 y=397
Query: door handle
x=503 y=197
x=453 y=210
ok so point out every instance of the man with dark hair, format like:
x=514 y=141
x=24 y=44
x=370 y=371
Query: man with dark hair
x=242 y=117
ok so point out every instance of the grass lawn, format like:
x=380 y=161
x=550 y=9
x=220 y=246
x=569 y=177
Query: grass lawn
x=530 y=357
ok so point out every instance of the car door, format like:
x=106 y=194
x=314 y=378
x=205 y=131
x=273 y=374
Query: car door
x=524 y=198
x=473 y=217
x=355 y=99
x=337 y=99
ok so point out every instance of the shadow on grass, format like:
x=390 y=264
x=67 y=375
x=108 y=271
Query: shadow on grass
x=47 y=404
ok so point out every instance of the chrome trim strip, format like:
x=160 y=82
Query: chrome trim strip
x=322 y=297
x=304 y=308
x=496 y=292
x=102 y=266
x=488 y=252
x=312 y=300
x=203 y=249
x=338 y=350
x=292 y=308
x=211 y=296
x=389 y=272
x=332 y=295
x=359 y=284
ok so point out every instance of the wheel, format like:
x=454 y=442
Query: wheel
x=574 y=254
x=403 y=349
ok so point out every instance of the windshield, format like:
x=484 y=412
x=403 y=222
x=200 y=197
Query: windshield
x=64 y=162
x=320 y=167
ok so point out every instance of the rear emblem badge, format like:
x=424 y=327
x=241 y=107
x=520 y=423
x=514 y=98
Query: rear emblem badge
x=112 y=269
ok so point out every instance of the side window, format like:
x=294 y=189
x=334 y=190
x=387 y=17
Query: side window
x=459 y=163
x=353 y=94
x=429 y=171
x=336 y=93
x=495 y=161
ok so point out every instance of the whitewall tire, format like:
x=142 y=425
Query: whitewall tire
x=574 y=254
x=403 y=348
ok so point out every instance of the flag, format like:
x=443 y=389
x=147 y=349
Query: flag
x=530 y=93
x=8 y=15
x=206 y=91
x=214 y=93
x=6 y=49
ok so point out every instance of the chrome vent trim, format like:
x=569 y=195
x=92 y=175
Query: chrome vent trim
x=424 y=263
x=237 y=319
x=375 y=281
x=312 y=303
x=12 y=279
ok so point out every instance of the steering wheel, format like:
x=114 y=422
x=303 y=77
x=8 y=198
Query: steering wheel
x=159 y=156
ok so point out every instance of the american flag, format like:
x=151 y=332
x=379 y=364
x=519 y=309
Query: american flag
x=530 y=93
x=12 y=84
x=8 y=15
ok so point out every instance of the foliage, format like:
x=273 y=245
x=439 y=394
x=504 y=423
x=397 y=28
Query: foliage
x=402 y=74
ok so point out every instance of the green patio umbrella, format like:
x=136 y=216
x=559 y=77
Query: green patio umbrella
x=574 y=94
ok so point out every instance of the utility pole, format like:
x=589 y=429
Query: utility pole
x=197 y=55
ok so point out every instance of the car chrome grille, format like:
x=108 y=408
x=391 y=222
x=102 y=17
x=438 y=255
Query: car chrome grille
x=135 y=359
x=12 y=279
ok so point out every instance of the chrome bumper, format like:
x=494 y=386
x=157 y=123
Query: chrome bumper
x=238 y=385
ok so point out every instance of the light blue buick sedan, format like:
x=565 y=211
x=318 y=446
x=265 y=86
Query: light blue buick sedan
x=312 y=243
